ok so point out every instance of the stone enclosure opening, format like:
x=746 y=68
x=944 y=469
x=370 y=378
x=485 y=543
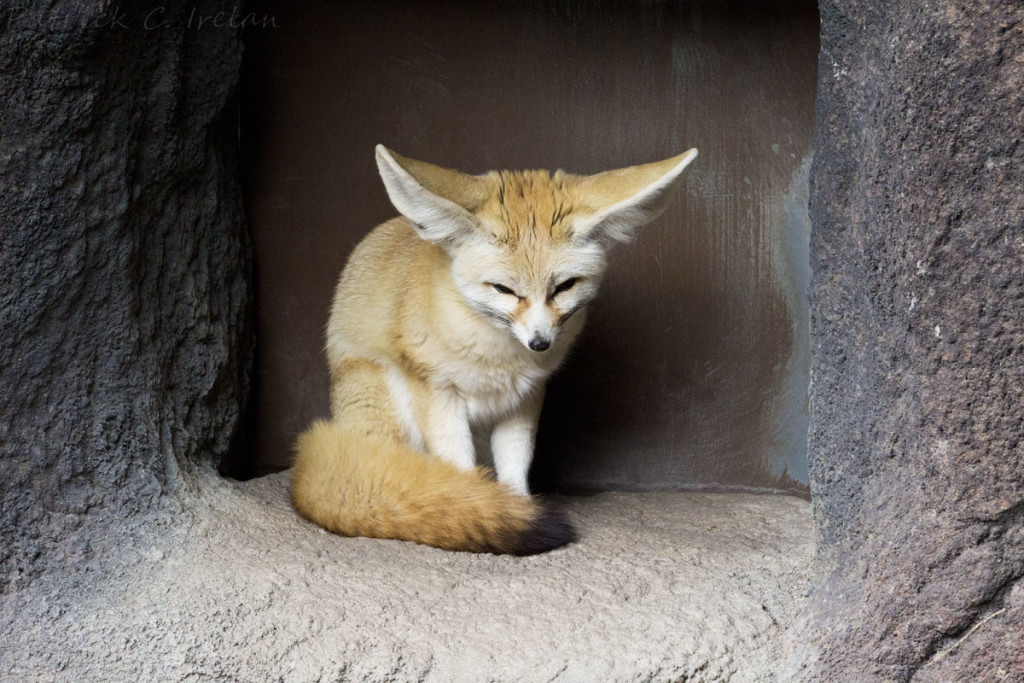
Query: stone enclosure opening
x=692 y=373
x=130 y=309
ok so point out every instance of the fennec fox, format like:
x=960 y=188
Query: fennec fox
x=451 y=318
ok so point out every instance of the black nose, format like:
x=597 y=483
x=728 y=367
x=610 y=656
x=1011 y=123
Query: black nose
x=540 y=344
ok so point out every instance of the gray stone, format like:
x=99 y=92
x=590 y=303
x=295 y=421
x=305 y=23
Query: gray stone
x=661 y=587
x=124 y=269
x=917 y=389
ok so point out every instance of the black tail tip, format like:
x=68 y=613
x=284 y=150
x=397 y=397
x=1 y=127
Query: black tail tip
x=549 y=530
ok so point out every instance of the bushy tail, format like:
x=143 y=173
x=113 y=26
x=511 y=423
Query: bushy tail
x=359 y=485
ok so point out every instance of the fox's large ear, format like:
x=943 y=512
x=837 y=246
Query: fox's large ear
x=439 y=201
x=624 y=199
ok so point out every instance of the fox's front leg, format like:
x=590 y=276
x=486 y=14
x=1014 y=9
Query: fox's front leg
x=512 y=444
x=447 y=432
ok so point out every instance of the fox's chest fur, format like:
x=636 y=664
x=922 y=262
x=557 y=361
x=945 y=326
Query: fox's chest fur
x=495 y=384
x=491 y=387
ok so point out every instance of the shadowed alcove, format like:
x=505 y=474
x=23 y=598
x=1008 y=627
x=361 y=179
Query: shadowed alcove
x=692 y=372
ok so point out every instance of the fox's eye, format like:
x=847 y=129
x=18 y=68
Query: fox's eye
x=502 y=289
x=565 y=286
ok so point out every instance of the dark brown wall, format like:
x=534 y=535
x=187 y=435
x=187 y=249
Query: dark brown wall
x=693 y=368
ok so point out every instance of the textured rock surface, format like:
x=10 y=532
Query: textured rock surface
x=124 y=296
x=662 y=587
x=917 y=406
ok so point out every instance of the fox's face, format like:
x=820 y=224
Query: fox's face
x=528 y=249
x=532 y=287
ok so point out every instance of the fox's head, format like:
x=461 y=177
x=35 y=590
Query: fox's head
x=528 y=249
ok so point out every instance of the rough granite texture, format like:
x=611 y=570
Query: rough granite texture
x=661 y=587
x=125 y=304
x=917 y=389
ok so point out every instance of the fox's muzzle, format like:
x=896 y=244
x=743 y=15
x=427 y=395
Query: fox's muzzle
x=539 y=343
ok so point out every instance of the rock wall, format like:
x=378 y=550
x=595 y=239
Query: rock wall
x=917 y=381
x=124 y=267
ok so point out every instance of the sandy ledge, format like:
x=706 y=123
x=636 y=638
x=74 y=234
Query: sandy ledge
x=661 y=587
